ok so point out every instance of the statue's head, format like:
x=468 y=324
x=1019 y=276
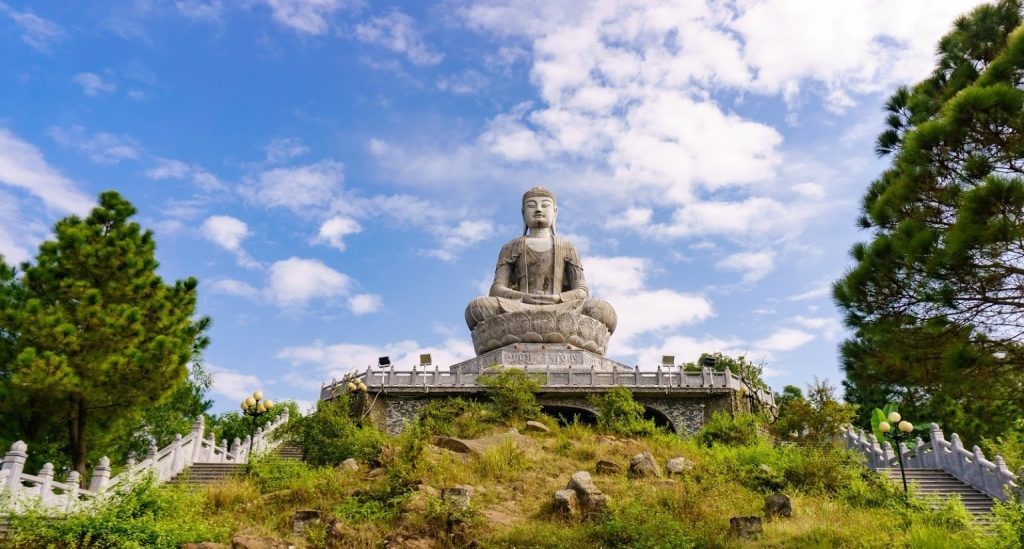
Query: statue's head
x=539 y=209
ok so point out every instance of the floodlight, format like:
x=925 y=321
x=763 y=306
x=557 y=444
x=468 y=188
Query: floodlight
x=425 y=360
x=708 y=361
x=668 y=360
x=384 y=361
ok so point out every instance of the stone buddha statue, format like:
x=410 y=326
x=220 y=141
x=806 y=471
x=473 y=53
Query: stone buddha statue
x=539 y=294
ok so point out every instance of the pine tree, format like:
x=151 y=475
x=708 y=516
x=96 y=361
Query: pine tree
x=936 y=299
x=94 y=335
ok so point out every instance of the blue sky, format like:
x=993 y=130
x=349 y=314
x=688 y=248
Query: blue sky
x=340 y=175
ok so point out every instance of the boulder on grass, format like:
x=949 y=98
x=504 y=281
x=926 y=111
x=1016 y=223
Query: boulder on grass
x=457 y=497
x=203 y=545
x=745 y=527
x=644 y=465
x=349 y=464
x=591 y=499
x=251 y=541
x=605 y=467
x=678 y=466
x=478 y=446
x=566 y=503
x=778 y=505
x=303 y=518
x=537 y=426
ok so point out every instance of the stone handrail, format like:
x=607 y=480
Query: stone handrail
x=19 y=489
x=561 y=378
x=991 y=477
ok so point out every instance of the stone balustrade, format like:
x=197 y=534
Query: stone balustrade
x=970 y=466
x=19 y=489
x=567 y=379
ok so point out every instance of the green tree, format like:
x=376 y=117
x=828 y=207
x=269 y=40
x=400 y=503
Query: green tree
x=816 y=418
x=513 y=392
x=936 y=299
x=95 y=334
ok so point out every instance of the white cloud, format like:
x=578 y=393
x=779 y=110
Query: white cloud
x=784 y=339
x=93 y=84
x=284 y=148
x=333 y=361
x=18 y=232
x=828 y=326
x=305 y=16
x=234 y=287
x=211 y=11
x=42 y=34
x=334 y=230
x=101 y=148
x=361 y=304
x=228 y=233
x=453 y=240
x=810 y=190
x=396 y=31
x=298 y=188
x=169 y=168
x=818 y=292
x=233 y=384
x=294 y=282
x=464 y=83
x=23 y=166
x=753 y=266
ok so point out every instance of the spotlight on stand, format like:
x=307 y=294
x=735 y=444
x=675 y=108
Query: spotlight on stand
x=708 y=361
x=384 y=361
x=425 y=360
x=668 y=360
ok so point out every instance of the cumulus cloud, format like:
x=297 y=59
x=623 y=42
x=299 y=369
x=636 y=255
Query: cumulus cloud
x=333 y=361
x=101 y=148
x=234 y=287
x=228 y=233
x=233 y=384
x=397 y=32
x=18 y=232
x=784 y=339
x=93 y=84
x=828 y=326
x=169 y=168
x=39 y=33
x=298 y=188
x=335 y=229
x=294 y=282
x=753 y=266
x=23 y=166
x=206 y=11
x=305 y=16
x=817 y=292
x=361 y=304
x=463 y=83
x=453 y=240
x=284 y=148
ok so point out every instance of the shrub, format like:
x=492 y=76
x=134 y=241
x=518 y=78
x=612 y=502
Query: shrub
x=271 y=473
x=331 y=435
x=637 y=524
x=1009 y=523
x=618 y=413
x=513 y=392
x=728 y=429
x=142 y=516
x=502 y=462
x=456 y=417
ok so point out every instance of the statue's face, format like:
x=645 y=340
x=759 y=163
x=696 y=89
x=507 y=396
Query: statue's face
x=539 y=212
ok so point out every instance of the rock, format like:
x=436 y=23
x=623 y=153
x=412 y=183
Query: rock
x=678 y=466
x=303 y=518
x=478 y=446
x=745 y=527
x=203 y=545
x=349 y=464
x=566 y=503
x=249 y=541
x=379 y=471
x=644 y=465
x=537 y=427
x=605 y=467
x=339 y=535
x=590 y=498
x=778 y=505
x=457 y=497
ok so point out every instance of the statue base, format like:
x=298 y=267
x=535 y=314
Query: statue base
x=541 y=357
x=554 y=328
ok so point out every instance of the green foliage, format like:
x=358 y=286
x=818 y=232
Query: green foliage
x=513 y=392
x=231 y=425
x=934 y=297
x=752 y=374
x=271 y=473
x=457 y=417
x=816 y=418
x=331 y=435
x=143 y=517
x=619 y=413
x=729 y=429
x=96 y=335
x=880 y=415
x=1010 y=445
x=502 y=462
x=638 y=525
x=1009 y=523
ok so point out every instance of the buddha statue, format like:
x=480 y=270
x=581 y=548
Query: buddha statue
x=539 y=294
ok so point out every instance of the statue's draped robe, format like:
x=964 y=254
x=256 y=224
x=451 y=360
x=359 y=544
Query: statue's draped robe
x=521 y=271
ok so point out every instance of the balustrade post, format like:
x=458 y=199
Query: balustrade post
x=209 y=455
x=591 y=375
x=887 y=454
x=919 y=453
x=100 y=475
x=979 y=468
x=176 y=465
x=1003 y=475
x=658 y=376
x=223 y=451
x=636 y=375
x=615 y=376
x=727 y=374
x=245 y=447
x=234 y=449
x=130 y=471
x=435 y=374
x=14 y=463
x=391 y=375
x=73 y=481
x=704 y=376
x=198 y=426
x=46 y=481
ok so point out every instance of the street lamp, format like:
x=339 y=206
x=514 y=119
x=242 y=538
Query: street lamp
x=254 y=406
x=902 y=433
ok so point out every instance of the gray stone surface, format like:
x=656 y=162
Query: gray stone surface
x=537 y=426
x=590 y=498
x=745 y=527
x=304 y=518
x=605 y=467
x=457 y=497
x=566 y=503
x=778 y=505
x=644 y=465
x=678 y=466
x=539 y=293
x=541 y=357
x=349 y=464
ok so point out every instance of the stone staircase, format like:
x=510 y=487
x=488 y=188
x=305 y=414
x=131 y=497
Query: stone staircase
x=209 y=473
x=944 y=485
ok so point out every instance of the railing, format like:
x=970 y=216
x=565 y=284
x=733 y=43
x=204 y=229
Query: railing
x=19 y=489
x=668 y=380
x=991 y=477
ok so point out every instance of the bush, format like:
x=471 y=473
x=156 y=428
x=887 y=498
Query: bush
x=143 y=516
x=637 y=524
x=271 y=473
x=456 y=417
x=728 y=429
x=618 y=413
x=331 y=435
x=1009 y=523
x=513 y=392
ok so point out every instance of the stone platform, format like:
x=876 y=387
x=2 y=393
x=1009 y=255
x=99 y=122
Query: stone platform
x=551 y=327
x=541 y=358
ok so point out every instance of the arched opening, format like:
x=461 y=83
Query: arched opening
x=567 y=414
x=659 y=417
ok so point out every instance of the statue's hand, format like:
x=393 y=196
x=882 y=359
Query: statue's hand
x=542 y=299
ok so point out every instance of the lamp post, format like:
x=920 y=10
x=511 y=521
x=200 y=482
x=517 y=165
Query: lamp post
x=901 y=434
x=254 y=406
